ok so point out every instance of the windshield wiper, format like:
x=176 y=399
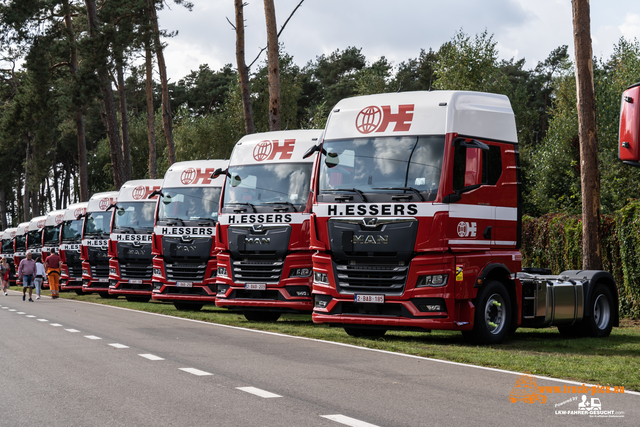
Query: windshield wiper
x=173 y=219
x=124 y=227
x=243 y=203
x=415 y=190
x=282 y=203
x=206 y=219
x=353 y=190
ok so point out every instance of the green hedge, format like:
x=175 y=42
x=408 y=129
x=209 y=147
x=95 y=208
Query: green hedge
x=555 y=241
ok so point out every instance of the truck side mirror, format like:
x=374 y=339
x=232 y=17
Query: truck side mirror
x=629 y=137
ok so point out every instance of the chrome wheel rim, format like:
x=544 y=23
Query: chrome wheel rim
x=601 y=312
x=494 y=314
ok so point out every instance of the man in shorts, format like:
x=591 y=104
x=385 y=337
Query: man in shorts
x=27 y=271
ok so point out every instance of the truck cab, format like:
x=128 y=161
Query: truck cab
x=8 y=235
x=96 y=230
x=130 y=259
x=34 y=240
x=51 y=233
x=264 y=263
x=184 y=253
x=71 y=248
x=20 y=247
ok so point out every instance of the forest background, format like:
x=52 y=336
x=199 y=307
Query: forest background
x=94 y=71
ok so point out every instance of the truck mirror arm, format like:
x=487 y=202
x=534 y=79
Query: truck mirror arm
x=310 y=151
x=155 y=193
x=216 y=173
x=112 y=205
x=474 y=143
x=457 y=194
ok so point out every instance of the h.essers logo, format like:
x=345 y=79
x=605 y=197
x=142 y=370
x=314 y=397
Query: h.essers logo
x=104 y=204
x=267 y=150
x=466 y=229
x=377 y=119
x=196 y=176
x=139 y=192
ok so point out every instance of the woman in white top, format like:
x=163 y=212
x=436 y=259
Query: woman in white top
x=40 y=273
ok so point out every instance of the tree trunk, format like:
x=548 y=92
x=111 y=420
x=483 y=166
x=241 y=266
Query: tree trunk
x=27 y=191
x=273 y=65
x=115 y=146
x=151 y=122
x=82 y=143
x=3 y=210
x=243 y=70
x=124 y=121
x=589 y=173
x=166 y=102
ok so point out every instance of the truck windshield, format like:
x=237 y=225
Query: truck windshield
x=268 y=184
x=51 y=234
x=34 y=239
x=97 y=223
x=135 y=215
x=7 y=246
x=72 y=231
x=21 y=243
x=383 y=164
x=189 y=204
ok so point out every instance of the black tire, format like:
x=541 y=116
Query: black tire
x=492 y=320
x=138 y=298
x=79 y=292
x=261 y=316
x=600 y=322
x=105 y=295
x=364 y=332
x=188 y=306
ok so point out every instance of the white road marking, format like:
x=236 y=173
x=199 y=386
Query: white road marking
x=30 y=315
x=12 y=309
x=151 y=356
x=116 y=345
x=92 y=337
x=72 y=330
x=4 y=308
x=20 y=312
x=258 y=392
x=55 y=324
x=195 y=371
x=348 y=421
x=42 y=320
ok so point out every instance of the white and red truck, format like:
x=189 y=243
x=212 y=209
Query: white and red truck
x=8 y=236
x=264 y=263
x=20 y=247
x=71 y=247
x=417 y=224
x=130 y=259
x=51 y=233
x=96 y=230
x=184 y=262
x=34 y=240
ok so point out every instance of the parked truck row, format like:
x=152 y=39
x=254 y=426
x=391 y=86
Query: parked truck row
x=404 y=213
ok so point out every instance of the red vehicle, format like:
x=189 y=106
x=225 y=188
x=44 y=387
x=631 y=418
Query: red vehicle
x=184 y=262
x=264 y=263
x=96 y=229
x=51 y=232
x=34 y=240
x=20 y=247
x=629 y=145
x=417 y=224
x=8 y=235
x=130 y=260
x=70 y=248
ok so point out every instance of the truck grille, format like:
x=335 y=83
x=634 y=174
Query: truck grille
x=185 y=272
x=75 y=271
x=389 y=278
x=100 y=271
x=136 y=271
x=265 y=271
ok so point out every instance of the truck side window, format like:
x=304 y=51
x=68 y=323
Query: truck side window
x=472 y=166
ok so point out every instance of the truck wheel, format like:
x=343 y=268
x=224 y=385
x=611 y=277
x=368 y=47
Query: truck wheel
x=493 y=315
x=137 y=298
x=600 y=322
x=261 y=316
x=365 y=333
x=187 y=306
x=79 y=292
x=106 y=295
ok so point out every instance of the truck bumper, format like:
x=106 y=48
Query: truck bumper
x=124 y=287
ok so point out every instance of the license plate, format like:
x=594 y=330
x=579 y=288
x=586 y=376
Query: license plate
x=103 y=280
x=184 y=284
x=135 y=281
x=255 y=286
x=377 y=299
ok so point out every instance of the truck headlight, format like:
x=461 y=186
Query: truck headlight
x=113 y=270
x=320 y=278
x=157 y=272
x=300 y=272
x=222 y=271
x=435 y=280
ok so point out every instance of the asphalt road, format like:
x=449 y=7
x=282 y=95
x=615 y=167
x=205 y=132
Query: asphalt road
x=68 y=363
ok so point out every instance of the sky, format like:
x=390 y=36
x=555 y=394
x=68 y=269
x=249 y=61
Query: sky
x=395 y=29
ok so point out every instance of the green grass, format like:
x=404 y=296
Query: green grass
x=613 y=361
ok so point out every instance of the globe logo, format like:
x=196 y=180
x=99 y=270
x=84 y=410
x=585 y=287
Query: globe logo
x=462 y=229
x=104 y=204
x=41 y=223
x=188 y=176
x=368 y=119
x=13 y=234
x=262 y=150
x=58 y=219
x=78 y=212
x=139 y=192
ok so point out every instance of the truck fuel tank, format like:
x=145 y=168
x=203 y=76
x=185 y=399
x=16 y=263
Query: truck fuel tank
x=551 y=300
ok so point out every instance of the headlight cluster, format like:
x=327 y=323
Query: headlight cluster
x=320 y=278
x=157 y=272
x=300 y=272
x=222 y=271
x=113 y=270
x=435 y=280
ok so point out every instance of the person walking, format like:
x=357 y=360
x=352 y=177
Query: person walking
x=26 y=271
x=4 y=275
x=40 y=273
x=52 y=264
